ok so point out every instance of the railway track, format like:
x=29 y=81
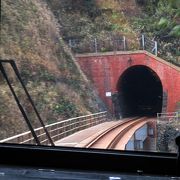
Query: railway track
x=117 y=136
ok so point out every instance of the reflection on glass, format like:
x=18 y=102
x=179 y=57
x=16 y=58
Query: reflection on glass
x=101 y=74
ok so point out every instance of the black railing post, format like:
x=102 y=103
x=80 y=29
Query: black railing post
x=18 y=103
x=95 y=45
x=143 y=42
x=31 y=101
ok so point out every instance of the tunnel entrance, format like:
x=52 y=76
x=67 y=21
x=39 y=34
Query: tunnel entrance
x=139 y=92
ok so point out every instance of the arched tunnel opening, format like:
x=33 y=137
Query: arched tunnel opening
x=139 y=92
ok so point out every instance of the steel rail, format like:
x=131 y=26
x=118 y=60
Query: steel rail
x=119 y=136
x=115 y=140
x=101 y=135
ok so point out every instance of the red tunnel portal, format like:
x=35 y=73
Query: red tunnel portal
x=109 y=72
x=139 y=93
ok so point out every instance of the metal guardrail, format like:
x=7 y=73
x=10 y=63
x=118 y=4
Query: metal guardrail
x=96 y=45
x=59 y=129
x=170 y=116
x=148 y=44
x=110 y=43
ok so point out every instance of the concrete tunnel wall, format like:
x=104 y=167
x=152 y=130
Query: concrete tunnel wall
x=105 y=70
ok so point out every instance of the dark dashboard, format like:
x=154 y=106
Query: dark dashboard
x=44 y=162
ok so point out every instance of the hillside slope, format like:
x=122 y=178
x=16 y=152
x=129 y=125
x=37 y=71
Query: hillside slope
x=31 y=36
x=85 y=20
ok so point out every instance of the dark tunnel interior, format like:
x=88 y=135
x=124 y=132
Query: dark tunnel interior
x=139 y=92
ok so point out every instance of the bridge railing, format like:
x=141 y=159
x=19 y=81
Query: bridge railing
x=59 y=129
x=170 y=116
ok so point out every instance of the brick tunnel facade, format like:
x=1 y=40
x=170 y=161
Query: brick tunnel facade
x=139 y=92
x=133 y=83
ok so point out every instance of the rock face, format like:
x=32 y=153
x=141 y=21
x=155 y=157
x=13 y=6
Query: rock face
x=167 y=132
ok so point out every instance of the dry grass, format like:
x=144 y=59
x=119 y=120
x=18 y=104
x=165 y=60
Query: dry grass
x=118 y=15
x=30 y=35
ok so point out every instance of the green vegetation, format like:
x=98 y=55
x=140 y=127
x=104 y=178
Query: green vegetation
x=161 y=21
x=65 y=107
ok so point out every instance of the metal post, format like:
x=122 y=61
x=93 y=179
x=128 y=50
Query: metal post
x=176 y=114
x=95 y=45
x=31 y=101
x=143 y=41
x=19 y=104
x=124 y=42
x=155 y=47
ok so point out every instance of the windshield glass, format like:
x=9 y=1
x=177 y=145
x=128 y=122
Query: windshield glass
x=90 y=74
